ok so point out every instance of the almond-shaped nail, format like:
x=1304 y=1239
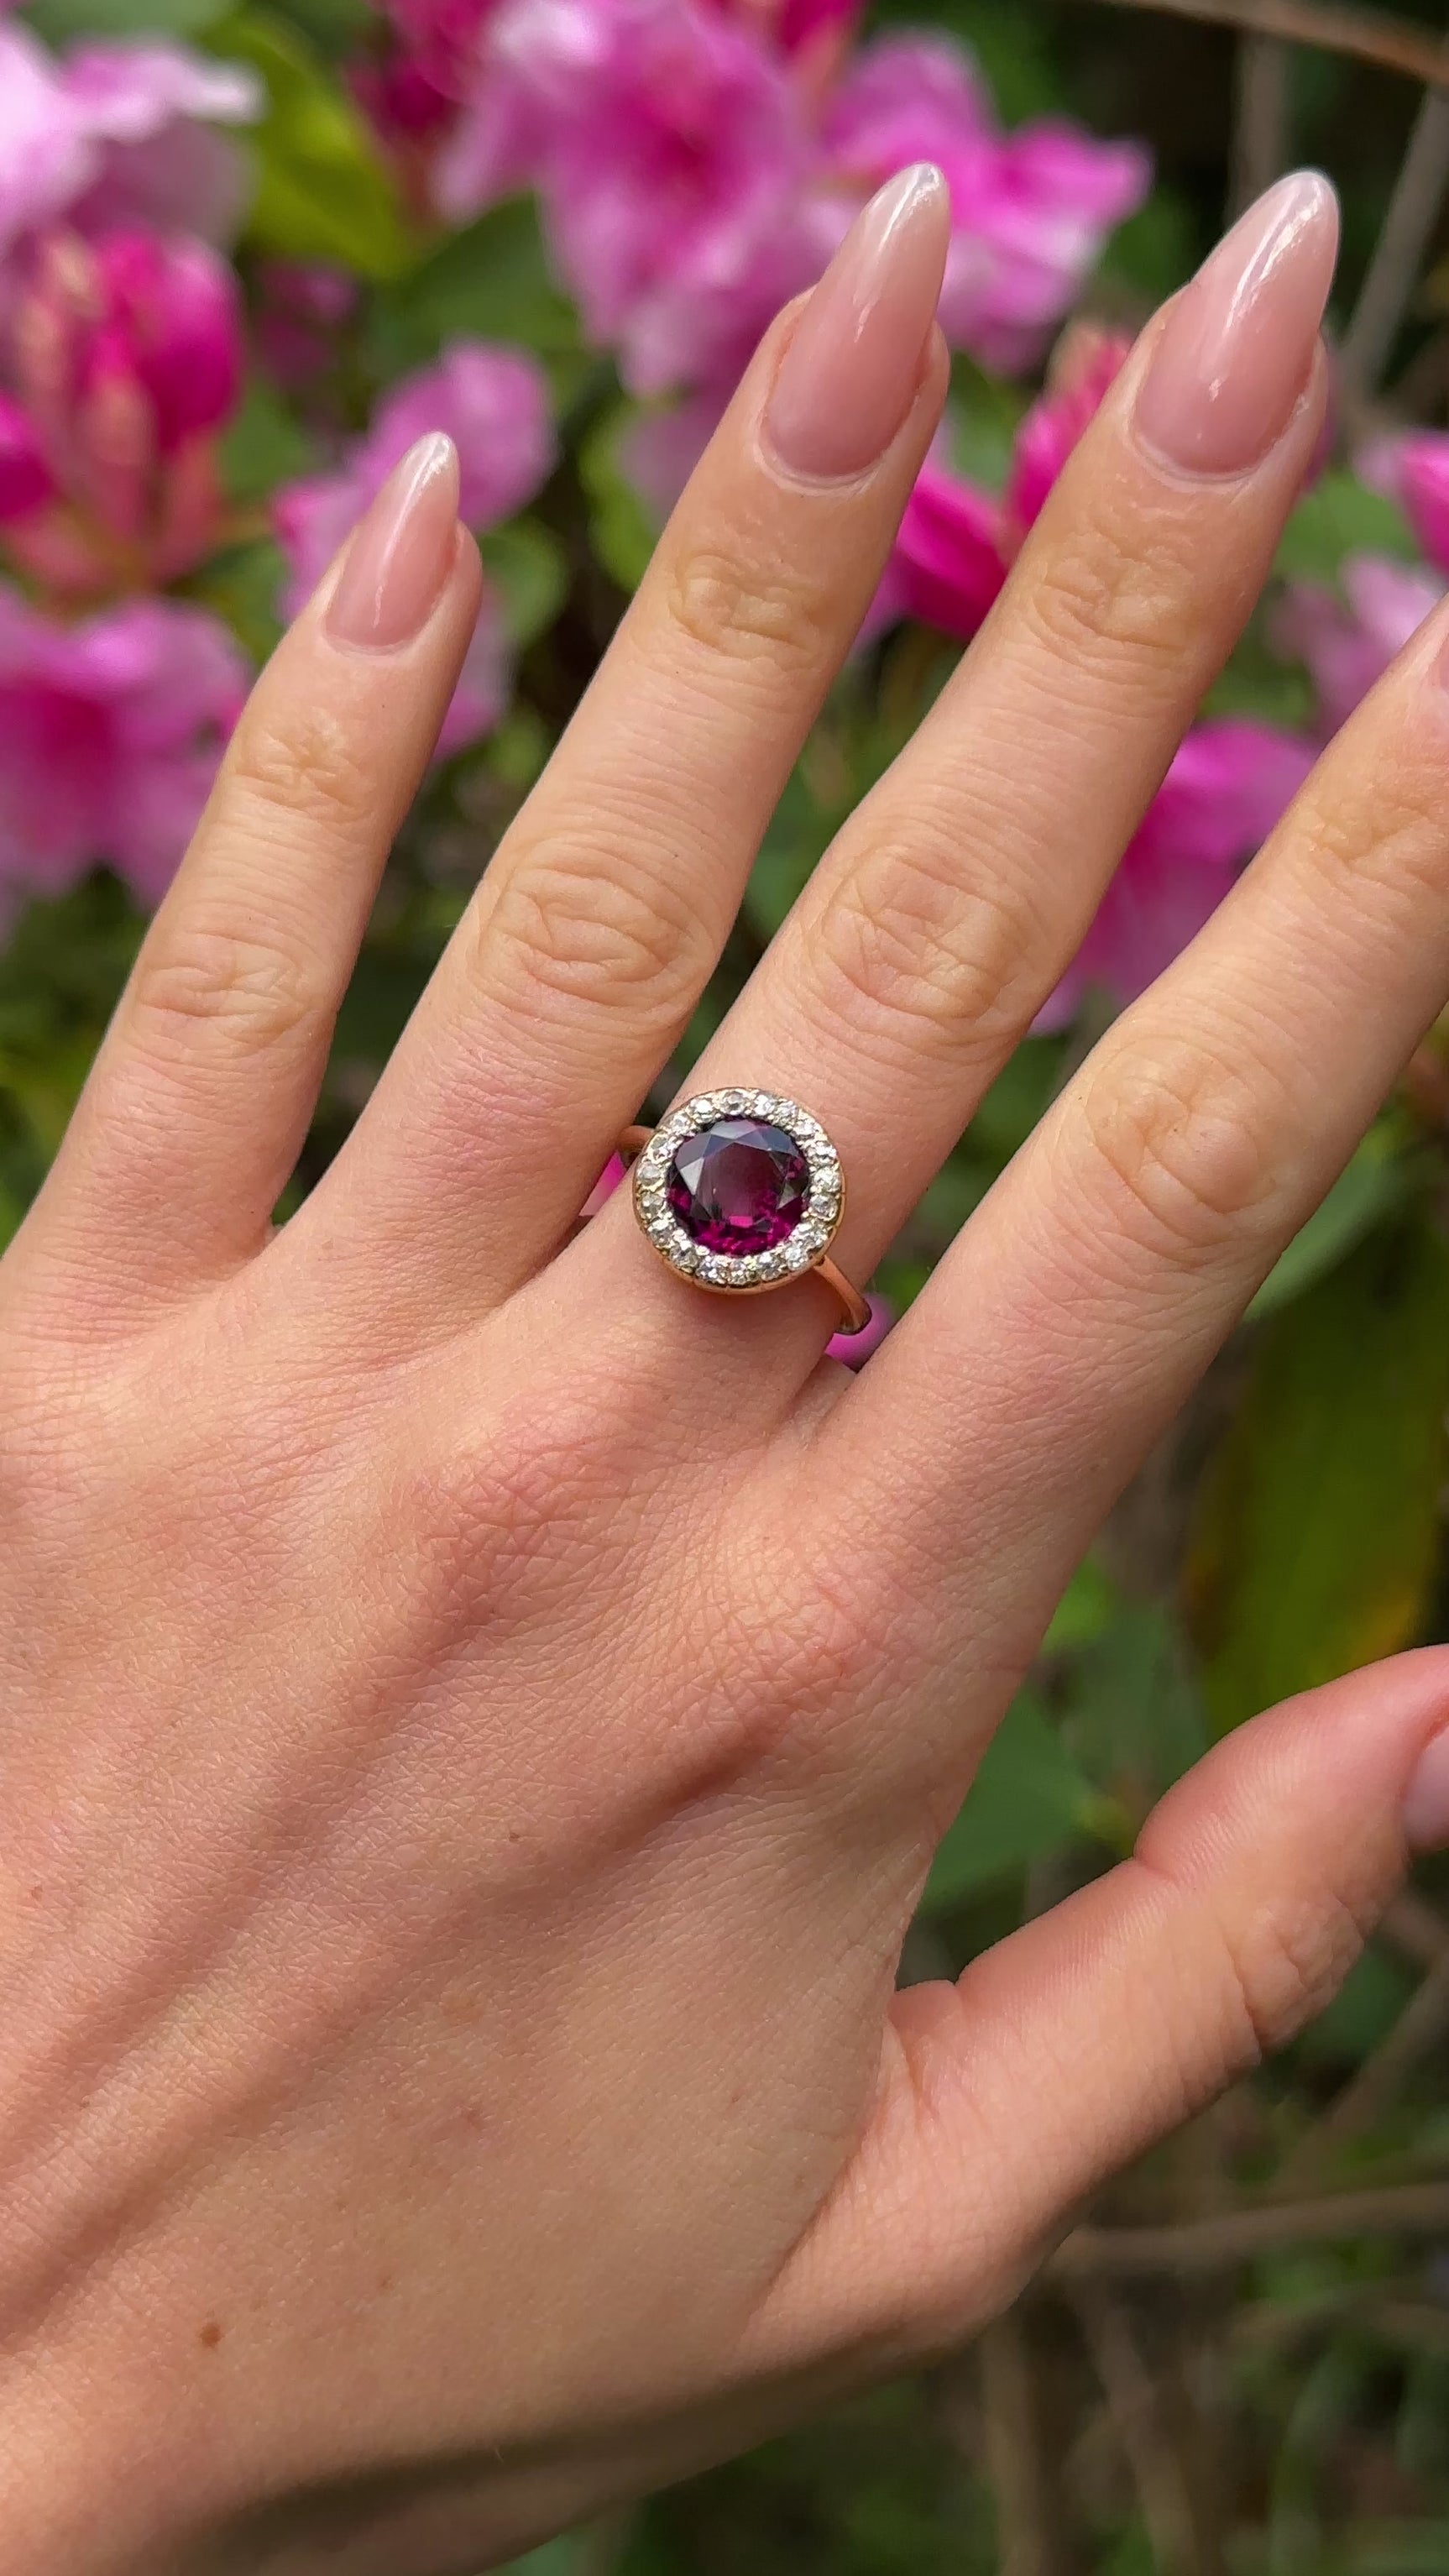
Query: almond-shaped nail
x=400 y=552
x=849 y=376
x=1235 y=352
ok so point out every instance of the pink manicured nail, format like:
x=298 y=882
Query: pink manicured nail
x=1235 y=352
x=849 y=376
x=401 y=550
x=1426 y=1802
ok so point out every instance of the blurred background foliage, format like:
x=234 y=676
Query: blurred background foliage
x=1238 y=2364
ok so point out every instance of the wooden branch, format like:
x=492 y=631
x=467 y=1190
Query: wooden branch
x=1200 y=2245
x=1391 y=44
x=1139 y=2419
x=1412 y=213
x=1029 y=2538
x=1260 y=118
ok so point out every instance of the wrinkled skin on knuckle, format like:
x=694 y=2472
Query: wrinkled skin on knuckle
x=256 y=992
x=311 y=772
x=1379 y=829
x=912 y=949
x=1179 y=1150
x=1108 y=594
x=773 y=620
x=1285 y=1962
x=599 y=924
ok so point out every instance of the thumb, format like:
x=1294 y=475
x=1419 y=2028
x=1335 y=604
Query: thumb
x=1075 y=2044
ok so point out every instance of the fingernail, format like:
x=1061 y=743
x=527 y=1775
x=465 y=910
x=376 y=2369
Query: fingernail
x=849 y=376
x=1426 y=1802
x=1234 y=354
x=400 y=551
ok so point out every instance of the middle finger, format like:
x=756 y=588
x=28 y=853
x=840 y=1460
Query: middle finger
x=954 y=899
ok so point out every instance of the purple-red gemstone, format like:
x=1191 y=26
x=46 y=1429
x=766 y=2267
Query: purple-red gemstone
x=739 y=1186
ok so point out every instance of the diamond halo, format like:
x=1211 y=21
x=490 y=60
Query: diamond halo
x=740 y=1273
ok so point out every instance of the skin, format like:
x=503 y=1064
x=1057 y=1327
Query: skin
x=477 y=1714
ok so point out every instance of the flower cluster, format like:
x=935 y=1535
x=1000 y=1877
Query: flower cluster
x=173 y=268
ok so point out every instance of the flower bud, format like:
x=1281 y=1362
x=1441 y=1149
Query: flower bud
x=25 y=479
x=126 y=358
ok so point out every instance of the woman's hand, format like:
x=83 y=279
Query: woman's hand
x=478 y=1712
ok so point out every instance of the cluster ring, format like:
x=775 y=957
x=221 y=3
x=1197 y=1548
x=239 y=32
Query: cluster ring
x=741 y=1191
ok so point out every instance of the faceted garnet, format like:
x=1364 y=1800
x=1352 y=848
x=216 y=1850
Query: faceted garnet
x=739 y=1186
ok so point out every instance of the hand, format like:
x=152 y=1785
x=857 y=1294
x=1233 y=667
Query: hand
x=477 y=1713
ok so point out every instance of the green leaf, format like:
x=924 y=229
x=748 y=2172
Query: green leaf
x=1371 y=1188
x=621 y=531
x=1132 y=1714
x=1084 y=1613
x=1027 y=1798
x=1339 y=517
x=243 y=586
x=323 y=191
x=263 y=445
x=491 y=282
x=1317 y=1531
x=526 y=564
x=61 y=21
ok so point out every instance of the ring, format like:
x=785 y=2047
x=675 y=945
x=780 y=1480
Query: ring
x=741 y=1191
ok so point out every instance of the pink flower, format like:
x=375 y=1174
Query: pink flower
x=956 y=543
x=126 y=358
x=152 y=111
x=24 y=475
x=1347 y=639
x=1413 y=469
x=119 y=134
x=1030 y=209
x=302 y=305
x=493 y=404
x=46 y=154
x=671 y=155
x=948 y=561
x=1227 y=787
x=1085 y=365
x=110 y=734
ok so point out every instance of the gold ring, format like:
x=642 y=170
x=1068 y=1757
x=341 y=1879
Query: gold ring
x=740 y=1192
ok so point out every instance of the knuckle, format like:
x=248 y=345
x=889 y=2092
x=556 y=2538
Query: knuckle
x=256 y=992
x=746 y=612
x=601 y=925
x=312 y=772
x=1284 y=1964
x=1183 y=1144
x=1390 y=837
x=908 y=945
x=1100 y=597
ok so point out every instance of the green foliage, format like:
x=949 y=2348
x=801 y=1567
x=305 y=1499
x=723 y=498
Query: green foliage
x=492 y=281
x=621 y=533
x=526 y=565
x=60 y=21
x=1370 y=1189
x=1317 y=1539
x=1026 y=1800
x=322 y=189
x=1341 y=516
x=263 y=445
